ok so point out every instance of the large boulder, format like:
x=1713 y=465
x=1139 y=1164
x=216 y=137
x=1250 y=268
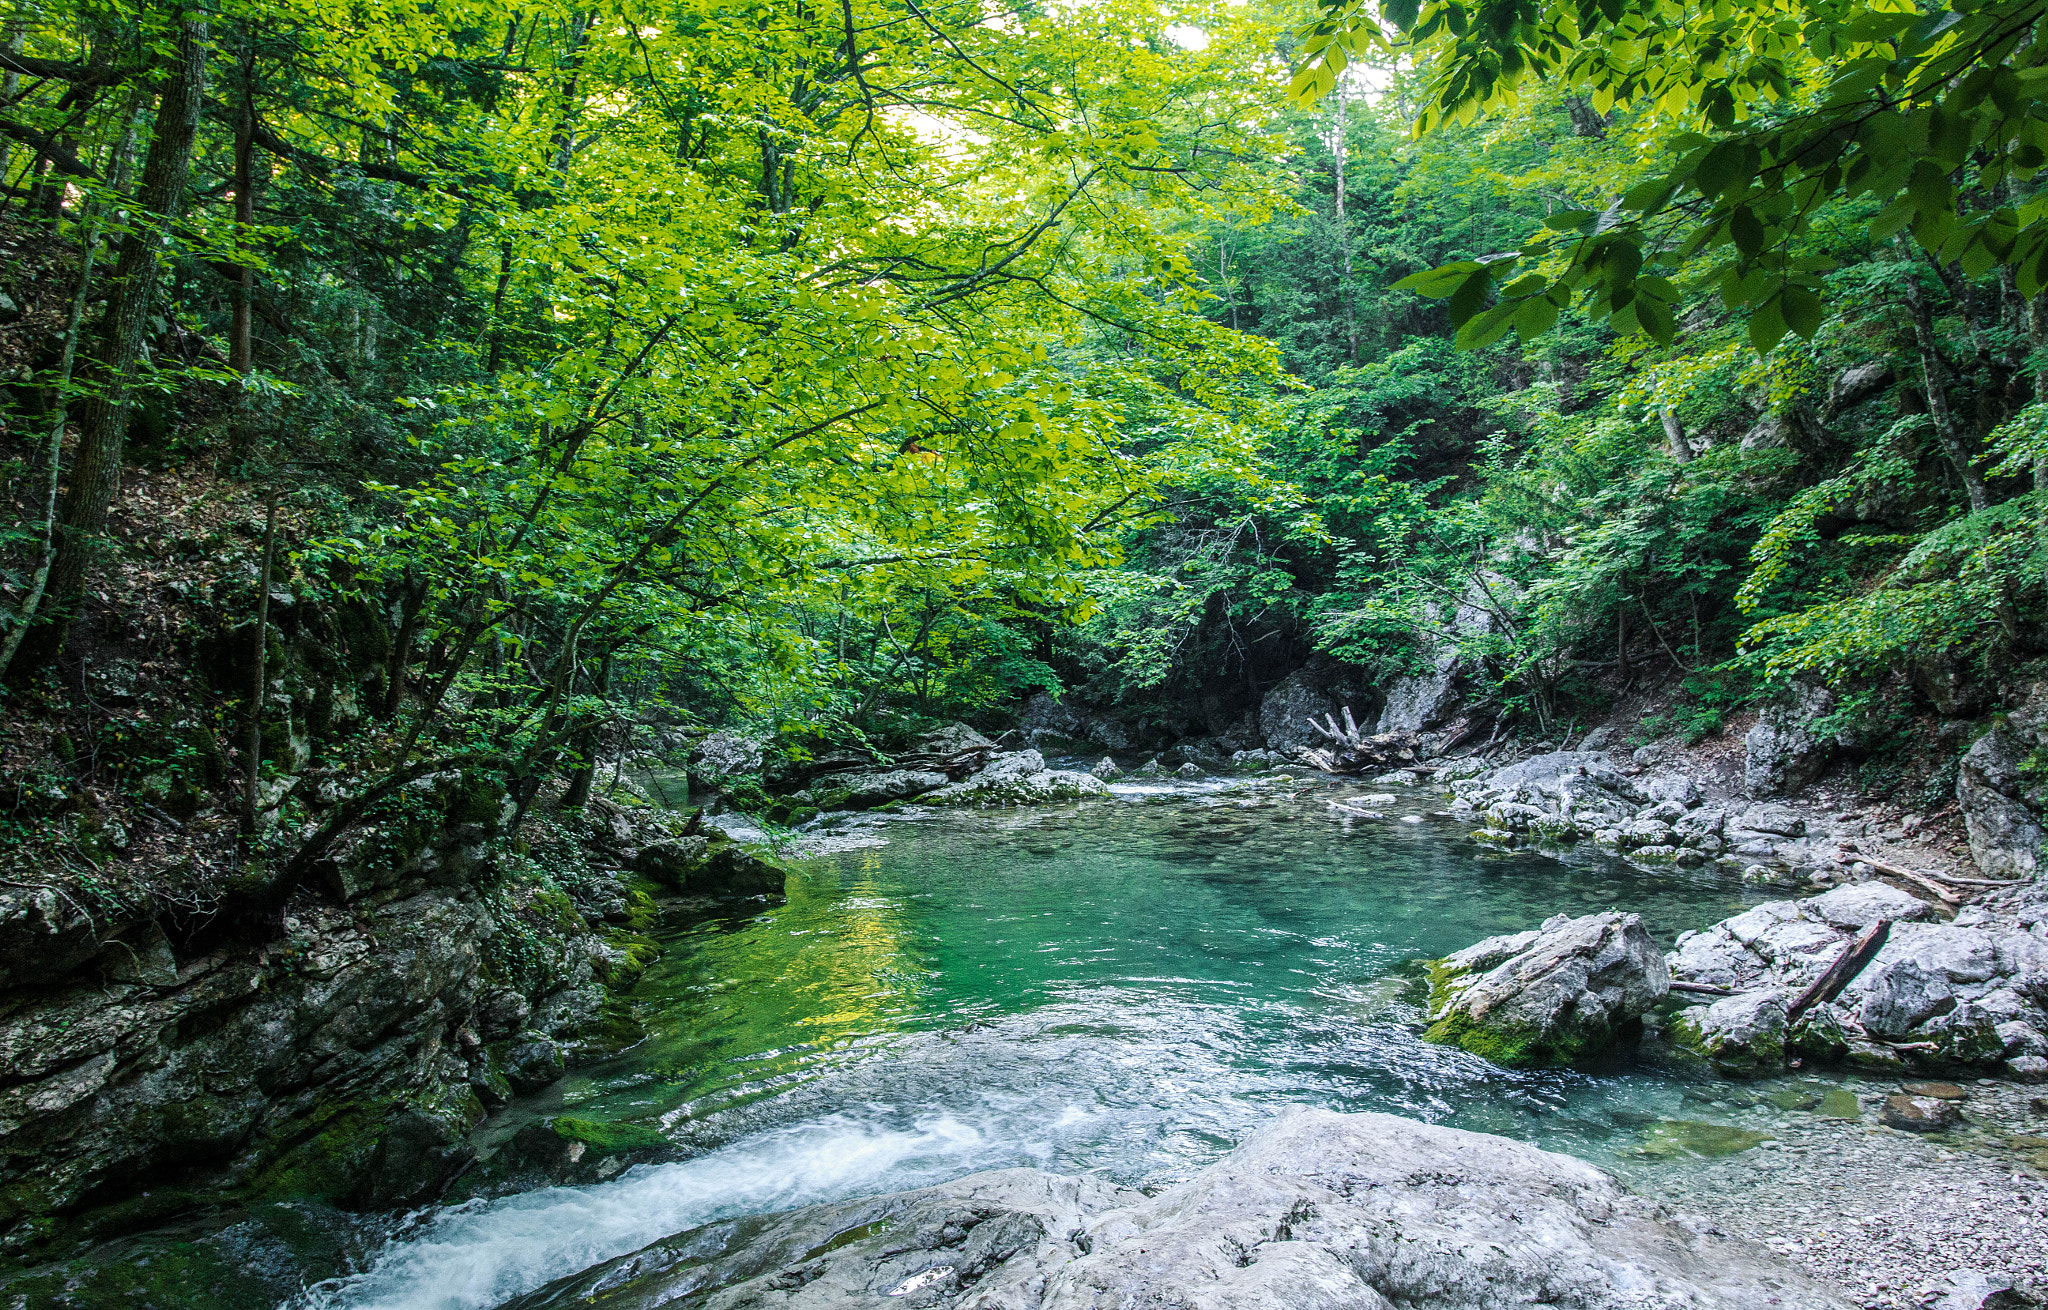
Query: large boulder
x=1791 y=744
x=1957 y=997
x=861 y=791
x=1548 y=995
x=1310 y=692
x=955 y=750
x=1317 y=1211
x=724 y=756
x=1742 y=1035
x=1018 y=778
x=1423 y=702
x=2001 y=798
x=1059 y=724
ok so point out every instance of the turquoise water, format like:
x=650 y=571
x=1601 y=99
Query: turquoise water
x=1127 y=987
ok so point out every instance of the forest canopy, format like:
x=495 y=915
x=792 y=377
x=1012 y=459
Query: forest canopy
x=829 y=368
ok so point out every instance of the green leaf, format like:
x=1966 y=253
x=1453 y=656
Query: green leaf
x=1895 y=216
x=1766 y=326
x=1747 y=230
x=1801 y=310
x=1569 y=220
x=1470 y=296
x=1534 y=317
x=1647 y=197
x=1436 y=283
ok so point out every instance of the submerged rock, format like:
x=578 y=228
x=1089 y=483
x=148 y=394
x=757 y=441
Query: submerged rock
x=1548 y=995
x=1919 y=1114
x=1318 y=1211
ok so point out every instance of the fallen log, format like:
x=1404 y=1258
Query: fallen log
x=1919 y=879
x=1703 y=989
x=1900 y=871
x=1843 y=971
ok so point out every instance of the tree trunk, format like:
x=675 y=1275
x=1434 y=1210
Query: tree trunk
x=585 y=746
x=241 y=344
x=1935 y=371
x=1674 y=433
x=411 y=602
x=1337 y=150
x=259 y=685
x=88 y=251
x=96 y=472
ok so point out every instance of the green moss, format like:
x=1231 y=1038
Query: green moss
x=1517 y=1046
x=1840 y=1103
x=1682 y=1137
x=329 y=1163
x=616 y=1029
x=479 y=798
x=1504 y=1046
x=609 y=1137
x=161 y=1276
x=1441 y=974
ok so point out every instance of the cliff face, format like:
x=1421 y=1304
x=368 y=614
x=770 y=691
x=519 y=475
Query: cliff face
x=344 y=1057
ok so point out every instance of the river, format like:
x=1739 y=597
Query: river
x=1125 y=987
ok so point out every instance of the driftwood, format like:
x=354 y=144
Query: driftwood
x=1838 y=975
x=1922 y=875
x=1917 y=878
x=1353 y=809
x=1702 y=989
x=1954 y=881
x=1351 y=751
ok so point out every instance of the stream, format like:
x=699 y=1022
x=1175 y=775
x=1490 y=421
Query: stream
x=1125 y=987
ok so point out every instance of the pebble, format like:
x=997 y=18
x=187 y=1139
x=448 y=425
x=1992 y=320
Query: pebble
x=1896 y=1220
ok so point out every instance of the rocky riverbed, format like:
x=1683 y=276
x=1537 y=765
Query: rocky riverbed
x=1317 y=1211
x=1898 y=1220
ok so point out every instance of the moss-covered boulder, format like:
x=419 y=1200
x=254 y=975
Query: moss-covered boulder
x=1742 y=1036
x=1549 y=995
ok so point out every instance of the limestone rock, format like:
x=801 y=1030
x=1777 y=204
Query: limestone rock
x=864 y=791
x=724 y=756
x=1777 y=820
x=1548 y=996
x=1018 y=778
x=955 y=750
x=533 y=1062
x=1964 y=997
x=1308 y=692
x=1919 y=1114
x=1062 y=724
x=1318 y=1211
x=1741 y=1035
x=2001 y=802
x=1785 y=750
x=672 y=860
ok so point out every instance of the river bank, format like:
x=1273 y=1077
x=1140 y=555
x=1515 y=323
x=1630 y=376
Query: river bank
x=1165 y=965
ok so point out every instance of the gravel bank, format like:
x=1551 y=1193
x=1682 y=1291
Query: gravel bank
x=1888 y=1216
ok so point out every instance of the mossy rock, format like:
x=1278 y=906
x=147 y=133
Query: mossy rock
x=1514 y=1049
x=610 y=1136
x=1682 y=1138
x=479 y=798
x=1840 y=1103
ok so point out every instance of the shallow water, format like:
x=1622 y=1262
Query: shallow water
x=1126 y=987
